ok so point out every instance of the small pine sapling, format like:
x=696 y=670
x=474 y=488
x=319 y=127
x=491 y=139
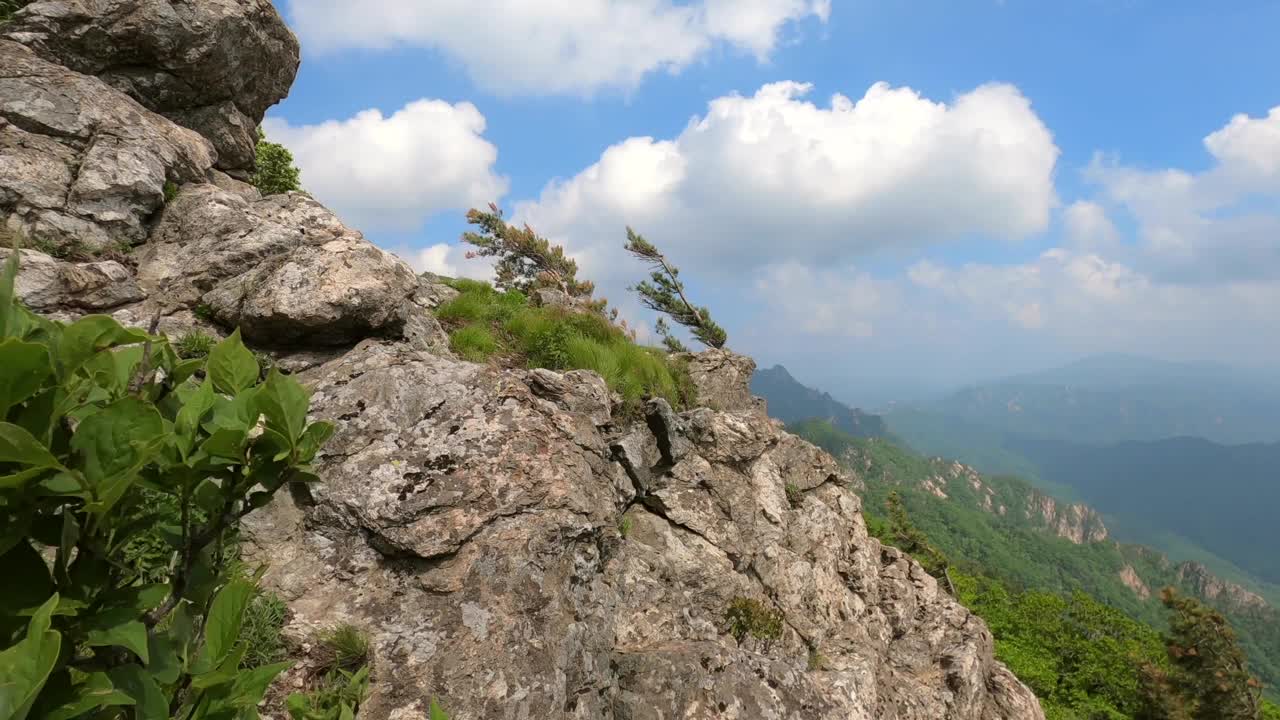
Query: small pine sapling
x=664 y=292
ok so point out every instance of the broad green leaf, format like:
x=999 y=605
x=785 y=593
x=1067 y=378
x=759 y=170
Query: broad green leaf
x=251 y=685
x=19 y=446
x=138 y=599
x=26 y=366
x=224 y=674
x=164 y=665
x=284 y=402
x=95 y=690
x=184 y=369
x=89 y=336
x=225 y=443
x=18 y=479
x=114 y=370
x=231 y=365
x=437 y=713
x=130 y=634
x=25 y=667
x=67 y=539
x=9 y=317
x=27 y=583
x=187 y=423
x=139 y=684
x=314 y=438
x=115 y=443
x=36 y=415
x=208 y=497
x=225 y=615
x=239 y=413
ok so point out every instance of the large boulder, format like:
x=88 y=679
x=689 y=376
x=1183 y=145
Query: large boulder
x=82 y=164
x=214 y=66
x=515 y=553
x=283 y=269
x=51 y=286
x=723 y=380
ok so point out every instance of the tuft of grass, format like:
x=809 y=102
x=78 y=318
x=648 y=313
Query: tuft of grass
x=794 y=496
x=9 y=7
x=464 y=285
x=473 y=342
x=346 y=646
x=204 y=311
x=624 y=526
x=747 y=616
x=485 y=323
x=260 y=631
x=817 y=661
x=194 y=344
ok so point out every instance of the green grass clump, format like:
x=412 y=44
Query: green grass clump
x=485 y=324
x=346 y=646
x=747 y=616
x=473 y=342
x=794 y=495
x=260 y=631
x=195 y=344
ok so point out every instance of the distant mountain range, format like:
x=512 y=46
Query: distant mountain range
x=1182 y=457
x=790 y=401
x=1115 y=398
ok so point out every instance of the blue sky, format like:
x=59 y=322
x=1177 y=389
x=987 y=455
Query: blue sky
x=1033 y=181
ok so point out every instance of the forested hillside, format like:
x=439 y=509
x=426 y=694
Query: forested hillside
x=980 y=526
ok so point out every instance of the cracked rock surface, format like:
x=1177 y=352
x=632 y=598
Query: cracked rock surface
x=519 y=552
x=515 y=545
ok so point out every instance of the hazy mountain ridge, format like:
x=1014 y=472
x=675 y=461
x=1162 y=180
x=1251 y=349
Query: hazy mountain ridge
x=790 y=401
x=1116 y=398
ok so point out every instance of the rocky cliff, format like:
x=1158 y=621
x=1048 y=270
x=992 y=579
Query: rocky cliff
x=514 y=545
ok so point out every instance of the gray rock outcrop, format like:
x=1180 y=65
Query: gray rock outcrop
x=214 y=66
x=516 y=553
x=516 y=545
x=80 y=162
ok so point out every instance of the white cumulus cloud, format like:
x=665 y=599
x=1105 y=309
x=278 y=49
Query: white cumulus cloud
x=772 y=177
x=1218 y=226
x=382 y=172
x=555 y=46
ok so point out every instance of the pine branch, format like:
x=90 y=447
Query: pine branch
x=664 y=293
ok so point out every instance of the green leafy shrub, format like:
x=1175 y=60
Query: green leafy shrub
x=96 y=420
x=274 y=171
x=747 y=616
x=485 y=323
x=195 y=344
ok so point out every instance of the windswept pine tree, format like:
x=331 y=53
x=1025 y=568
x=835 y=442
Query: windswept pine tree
x=1209 y=679
x=525 y=261
x=664 y=292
